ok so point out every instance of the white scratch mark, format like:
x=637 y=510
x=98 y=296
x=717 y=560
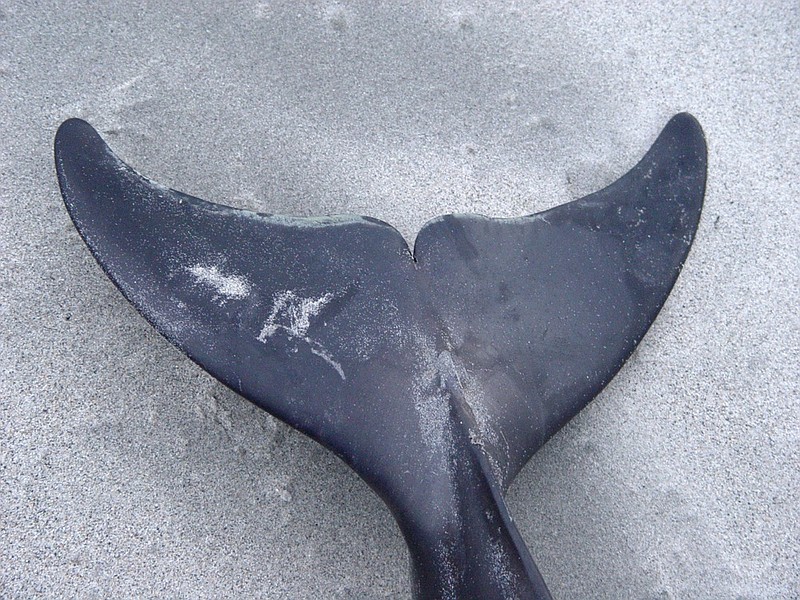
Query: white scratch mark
x=293 y=314
x=317 y=349
x=231 y=287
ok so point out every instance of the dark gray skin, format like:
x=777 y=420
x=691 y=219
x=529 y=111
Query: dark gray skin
x=434 y=374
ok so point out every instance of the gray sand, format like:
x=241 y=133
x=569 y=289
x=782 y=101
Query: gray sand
x=128 y=472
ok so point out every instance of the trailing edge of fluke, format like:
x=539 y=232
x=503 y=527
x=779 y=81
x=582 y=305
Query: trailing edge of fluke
x=435 y=375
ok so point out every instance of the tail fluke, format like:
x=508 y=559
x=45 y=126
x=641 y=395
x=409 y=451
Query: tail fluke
x=434 y=376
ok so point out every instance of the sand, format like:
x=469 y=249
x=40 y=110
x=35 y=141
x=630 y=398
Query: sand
x=126 y=471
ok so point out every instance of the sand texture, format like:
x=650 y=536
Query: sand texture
x=127 y=472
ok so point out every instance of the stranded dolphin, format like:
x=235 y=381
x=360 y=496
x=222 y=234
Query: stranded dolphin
x=435 y=374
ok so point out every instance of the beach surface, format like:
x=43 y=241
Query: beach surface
x=127 y=472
